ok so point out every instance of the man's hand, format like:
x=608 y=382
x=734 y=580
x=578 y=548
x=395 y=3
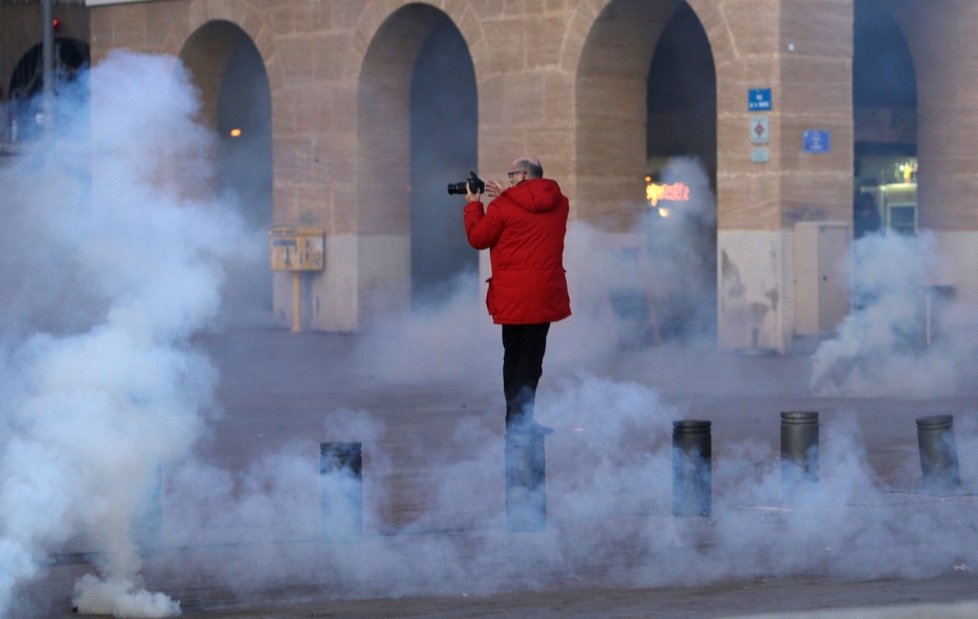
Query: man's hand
x=493 y=189
x=472 y=197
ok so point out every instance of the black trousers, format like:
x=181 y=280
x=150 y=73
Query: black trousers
x=523 y=350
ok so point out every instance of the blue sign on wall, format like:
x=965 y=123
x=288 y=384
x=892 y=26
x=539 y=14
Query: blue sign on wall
x=816 y=141
x=759 y=100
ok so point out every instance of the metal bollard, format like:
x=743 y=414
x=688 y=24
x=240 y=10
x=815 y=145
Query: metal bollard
x=938 y=454
x=526 y=482
x=692 y=468
x=341 y=491
x=799 y=449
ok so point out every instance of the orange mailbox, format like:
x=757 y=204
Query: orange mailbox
x=297 y=250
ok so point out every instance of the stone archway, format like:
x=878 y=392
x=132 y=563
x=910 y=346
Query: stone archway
x=227 y=68
x=646 y=97
x=611 y=103
x=396 y=128
x=24 y=114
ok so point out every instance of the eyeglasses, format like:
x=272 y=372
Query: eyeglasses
x=514 y=173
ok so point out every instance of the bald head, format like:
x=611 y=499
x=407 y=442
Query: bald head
x=529 y=164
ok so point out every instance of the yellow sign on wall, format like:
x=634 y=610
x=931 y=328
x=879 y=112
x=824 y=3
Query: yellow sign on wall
x=297 y=249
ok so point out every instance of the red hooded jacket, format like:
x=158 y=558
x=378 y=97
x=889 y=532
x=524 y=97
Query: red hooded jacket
x=524 y=231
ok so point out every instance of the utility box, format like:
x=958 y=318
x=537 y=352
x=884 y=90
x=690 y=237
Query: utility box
x=821 y=276
x=297 y=249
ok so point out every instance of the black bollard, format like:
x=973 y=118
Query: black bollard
x=692 y=468
x=938 y=454
x=341 y=491
x=526 y=482
x=799 y=449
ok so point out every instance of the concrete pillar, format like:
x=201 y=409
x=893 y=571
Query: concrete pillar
x=794 y=48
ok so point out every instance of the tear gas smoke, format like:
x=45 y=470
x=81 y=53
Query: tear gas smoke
x=102 y=393
x=609 y=482
x=456 y=326
x=667 y=261
x=609 y=507
x=121 y=598
x=115 y=265
x=682 y=253
x=881 y=348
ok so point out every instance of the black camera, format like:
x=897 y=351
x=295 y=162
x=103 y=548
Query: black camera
x=459 y=188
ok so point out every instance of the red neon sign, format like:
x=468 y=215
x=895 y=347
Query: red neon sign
x=676 y=192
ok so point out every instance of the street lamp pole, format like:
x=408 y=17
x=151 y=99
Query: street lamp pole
x=48 y=57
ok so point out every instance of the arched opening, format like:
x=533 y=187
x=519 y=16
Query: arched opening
x=682 y=160
x=244 y=126
x=682 y=95
x=884 y=98
x=444 y=126
x=646 y=160
x=417 y=132
x=25 y=118
x=228 y=70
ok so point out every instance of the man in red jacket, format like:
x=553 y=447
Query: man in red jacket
x=523 y=228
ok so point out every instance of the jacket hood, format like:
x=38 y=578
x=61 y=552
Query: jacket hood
x=537 y=195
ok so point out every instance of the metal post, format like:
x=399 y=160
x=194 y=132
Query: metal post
x=47 y=50
x=938 y=454
x=526 y=482
x=341 y=491
x=296 y=302
x=928 y=319
x=799 y=449
x=692 y=468
x=934 y=299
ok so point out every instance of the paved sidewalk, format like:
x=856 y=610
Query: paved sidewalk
x=283 y=393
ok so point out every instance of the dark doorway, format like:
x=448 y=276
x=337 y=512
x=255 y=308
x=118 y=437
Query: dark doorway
x=682 y=94
x=228 y=70
x=681 y=166
x=25 y=109
x=444 y=126
x=884 y=99
x=244 y=126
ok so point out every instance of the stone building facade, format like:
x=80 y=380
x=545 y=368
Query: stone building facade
x=567 y=80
